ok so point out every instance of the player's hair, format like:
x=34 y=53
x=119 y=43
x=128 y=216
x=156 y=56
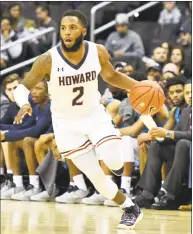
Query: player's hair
x=139 y=76
x=14 y=5
x=175 y=81
x=45 y=84
x=10 y=78
x=44 y=7
x=82 y=18
x=5 y=18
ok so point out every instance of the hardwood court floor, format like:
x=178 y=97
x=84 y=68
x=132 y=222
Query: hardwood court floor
x=51 y=218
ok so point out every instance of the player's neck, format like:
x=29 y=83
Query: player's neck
x=76 y=54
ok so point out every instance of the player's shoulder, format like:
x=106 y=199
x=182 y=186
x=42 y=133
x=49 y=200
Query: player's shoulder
x=102 y=53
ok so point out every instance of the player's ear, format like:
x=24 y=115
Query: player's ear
x=84 y=32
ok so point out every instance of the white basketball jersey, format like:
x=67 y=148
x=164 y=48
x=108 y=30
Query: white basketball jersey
x=74 y=88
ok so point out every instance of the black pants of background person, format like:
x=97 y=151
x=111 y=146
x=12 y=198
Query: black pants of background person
x=175 y=154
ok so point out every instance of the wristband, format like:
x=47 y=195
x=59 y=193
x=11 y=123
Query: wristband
x=21 y=94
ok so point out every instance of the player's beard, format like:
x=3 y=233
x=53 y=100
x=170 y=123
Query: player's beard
x=75 y=47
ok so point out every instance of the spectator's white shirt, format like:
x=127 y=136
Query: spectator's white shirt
x=172 y=17
x=14 y=51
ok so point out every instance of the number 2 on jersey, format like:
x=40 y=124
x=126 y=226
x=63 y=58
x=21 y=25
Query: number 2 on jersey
x=81 y=92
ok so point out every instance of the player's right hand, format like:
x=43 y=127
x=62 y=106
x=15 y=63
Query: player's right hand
x=25 y=110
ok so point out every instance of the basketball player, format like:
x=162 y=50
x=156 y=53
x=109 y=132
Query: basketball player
x=81 y=124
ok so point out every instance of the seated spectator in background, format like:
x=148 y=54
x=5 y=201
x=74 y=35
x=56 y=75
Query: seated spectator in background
x=175 y=103
x=154 y=73
x=124 y=42
x=18 y=21
x=8 y=86
x=177 y=58
x=168 y=48
x=14 y=53
x=169 y=71
x=185 y=40
x=24 y=139
x=44 y=21
x=159 y=56
x=170 y=14
x=174 y=150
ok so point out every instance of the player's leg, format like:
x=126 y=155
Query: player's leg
x=2 y=165
x=7 y=160
x=88 y=163
x=96 y=198
x=34 y=182
x=17 y=185
x=41 y=148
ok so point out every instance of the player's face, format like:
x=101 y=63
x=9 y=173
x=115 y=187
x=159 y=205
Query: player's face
x=176 y=94
x=185 y=38
x=169 y=5
x=15 y=12
x=176 y=56
x=40 y=14
x=5 y=25
x=9 y=90
x=39 y=93
x=71 y=33
x=160 y=55
x=188 y=93
x=122 y=29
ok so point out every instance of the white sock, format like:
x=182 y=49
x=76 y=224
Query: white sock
x=79 y=182
x=126 y=183
x=2 y=171
x=18 y=180
x=9 y=171
x=34 y=180
x=163 y=189
x=109 y=176
x=71 y=183
x=127 y=203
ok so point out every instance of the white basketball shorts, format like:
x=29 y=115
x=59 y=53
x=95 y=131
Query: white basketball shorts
x=77 y=136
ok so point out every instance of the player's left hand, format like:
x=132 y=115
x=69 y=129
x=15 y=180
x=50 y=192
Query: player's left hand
x=158 y=132
x=143 y=137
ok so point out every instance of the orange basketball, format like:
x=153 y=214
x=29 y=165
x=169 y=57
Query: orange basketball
x=147 y=97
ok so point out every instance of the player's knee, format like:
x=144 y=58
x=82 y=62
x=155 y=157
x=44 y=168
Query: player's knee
x=105 y=186
x=111 y=154
x=28 y=141
x=38 y=145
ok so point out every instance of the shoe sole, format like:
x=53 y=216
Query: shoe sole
x=123 y=226
x=69 y=202
x=93 y=203
x=49 y=200
x=17 y=199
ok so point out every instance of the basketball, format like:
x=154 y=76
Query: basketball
x=147 y=97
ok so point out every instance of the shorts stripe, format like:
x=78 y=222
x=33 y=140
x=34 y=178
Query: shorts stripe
x=84 y=146
x=108 y=138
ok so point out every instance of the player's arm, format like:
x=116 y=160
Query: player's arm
x=40 y=69
x=162 y=116
x=113 y=108
x=132 y=130
x=170 y=124
x=110 y=75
